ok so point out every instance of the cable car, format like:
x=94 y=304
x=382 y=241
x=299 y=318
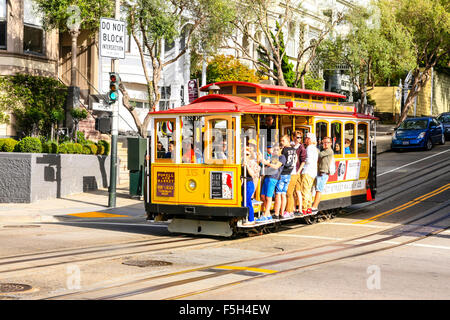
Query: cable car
x=194 y=165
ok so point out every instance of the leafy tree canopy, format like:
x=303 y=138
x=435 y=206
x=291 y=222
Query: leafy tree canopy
x=59 y=14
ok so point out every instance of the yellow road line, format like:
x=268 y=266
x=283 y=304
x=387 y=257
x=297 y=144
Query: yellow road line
x=96 y=215
x=246 y=269
x=406 y=205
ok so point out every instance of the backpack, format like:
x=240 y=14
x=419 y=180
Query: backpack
x=332 y=166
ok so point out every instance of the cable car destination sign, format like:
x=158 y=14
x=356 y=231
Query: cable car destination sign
x=112 y=38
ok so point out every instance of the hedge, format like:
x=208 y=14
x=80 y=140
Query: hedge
x=32 y=144
x=29 y=144
x=8 y=145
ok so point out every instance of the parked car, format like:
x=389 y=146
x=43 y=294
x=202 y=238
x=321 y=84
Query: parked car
x=444 y=118
x=420 y=132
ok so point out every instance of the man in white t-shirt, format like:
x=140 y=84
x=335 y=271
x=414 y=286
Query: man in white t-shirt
x=309 y=172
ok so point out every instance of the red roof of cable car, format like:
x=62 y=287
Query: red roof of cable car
x=277 y=88
x=218 y=103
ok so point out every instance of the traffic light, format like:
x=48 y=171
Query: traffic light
x=114 y=81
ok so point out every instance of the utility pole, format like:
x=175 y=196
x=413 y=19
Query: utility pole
x=114 y=131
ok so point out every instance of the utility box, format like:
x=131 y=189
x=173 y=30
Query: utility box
x=137 y=148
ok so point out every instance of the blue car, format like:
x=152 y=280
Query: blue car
x=444 y=118
x=418 y=133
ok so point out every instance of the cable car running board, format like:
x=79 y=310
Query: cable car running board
x=201 y=227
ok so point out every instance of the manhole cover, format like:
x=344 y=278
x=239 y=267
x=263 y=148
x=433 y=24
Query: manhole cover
x=22 y=226
x=14 y=287
x=146 y=263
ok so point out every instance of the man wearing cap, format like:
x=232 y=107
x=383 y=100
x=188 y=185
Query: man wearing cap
x=309 y=172
x=294 y=185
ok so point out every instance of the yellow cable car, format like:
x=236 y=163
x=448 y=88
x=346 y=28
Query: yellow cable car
x=194 y=168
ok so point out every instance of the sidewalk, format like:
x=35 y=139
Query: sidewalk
x=95 y=203
x=384 y=137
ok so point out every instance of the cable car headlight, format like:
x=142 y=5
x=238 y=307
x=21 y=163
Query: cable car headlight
x=192 y=185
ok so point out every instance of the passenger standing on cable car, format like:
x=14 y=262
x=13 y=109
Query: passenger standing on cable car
x=251 y=166
x=294 y=187
x=267 y=129
x=283 y=183
x=309 y=172
x=272 y=171
x=325 y=158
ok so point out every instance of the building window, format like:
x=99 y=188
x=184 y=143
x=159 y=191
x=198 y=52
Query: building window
x=2 y=24
x=164 y=102
x=33 y=33
x=139 y=104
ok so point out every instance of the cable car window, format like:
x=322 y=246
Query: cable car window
x=265 y=99
x=362 y=138
x=244 y=89
x=349 y=136
x=192 y=142
x=321 y=131
x=219 y=144
x=284 y=100
x=165 y=141
x=226 y=90
x=336 y=137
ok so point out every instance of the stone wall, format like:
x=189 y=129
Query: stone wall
x=28 y=177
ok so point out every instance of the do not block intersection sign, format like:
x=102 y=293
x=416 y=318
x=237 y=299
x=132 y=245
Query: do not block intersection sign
x=112 y=38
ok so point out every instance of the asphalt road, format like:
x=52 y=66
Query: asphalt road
x=397 y=247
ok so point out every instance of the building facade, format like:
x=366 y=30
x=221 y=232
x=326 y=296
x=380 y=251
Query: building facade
x=25 y=47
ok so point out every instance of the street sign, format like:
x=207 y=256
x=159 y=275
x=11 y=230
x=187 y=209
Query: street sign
x=112 y=38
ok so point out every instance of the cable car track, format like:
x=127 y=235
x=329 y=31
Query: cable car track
x=188 y=242
x=284 y=257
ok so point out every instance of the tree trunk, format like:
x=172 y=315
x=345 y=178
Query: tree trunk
x=420 y=79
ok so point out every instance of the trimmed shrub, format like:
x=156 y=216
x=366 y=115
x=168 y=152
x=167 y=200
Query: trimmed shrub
x=50 y=147
x=86 y=149
x=66 y=147
x=100 y=149
x=77 y=148
x=106 y=145
x=29 y=144
x=2 y=142
x=9 y=145
x=93 y=148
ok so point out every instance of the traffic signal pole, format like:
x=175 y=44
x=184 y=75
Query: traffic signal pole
x=114 y=133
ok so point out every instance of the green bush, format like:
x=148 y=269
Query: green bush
x=29 y=144
x=50 y=147
x=2 y=142
x=92 y=148
x=80 y=137
x=77 y=148
x=100 y=149
x=106 y=145
x=66 y=147
x=86 y=149
x=9 y=145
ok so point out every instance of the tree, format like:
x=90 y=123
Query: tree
x=34 y=100
x=73 y=16
x=262 y=22
x=254 y=24
x=373 y=49
x=203 y=23
x=427 y=24
x=229 y=68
